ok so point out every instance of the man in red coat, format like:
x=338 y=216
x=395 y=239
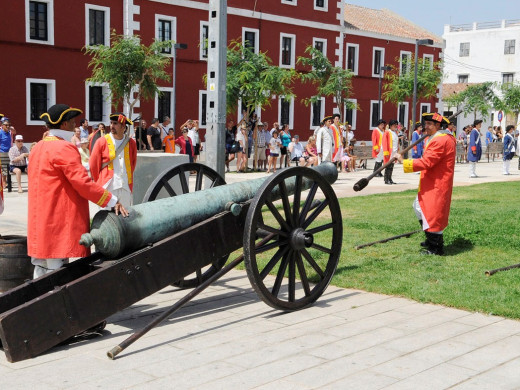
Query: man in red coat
x=377 y=145
x=390 y=146
x=437 y=166
x=58 y=198
x=113 y=159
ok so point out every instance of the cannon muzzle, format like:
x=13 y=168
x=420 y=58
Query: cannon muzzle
x=150 y=222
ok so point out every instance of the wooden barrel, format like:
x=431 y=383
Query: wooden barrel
x=15 y=265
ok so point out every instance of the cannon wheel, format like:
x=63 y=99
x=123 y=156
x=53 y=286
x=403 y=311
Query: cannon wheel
x=305 y=251
x=164 y=184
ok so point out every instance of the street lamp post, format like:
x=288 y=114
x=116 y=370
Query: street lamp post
x=418 y=42
x=176 y=46
x=383 y=68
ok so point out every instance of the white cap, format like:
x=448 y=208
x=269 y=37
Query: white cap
x=18 y=138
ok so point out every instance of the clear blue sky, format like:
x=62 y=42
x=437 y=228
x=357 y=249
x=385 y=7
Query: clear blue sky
x=433 y=15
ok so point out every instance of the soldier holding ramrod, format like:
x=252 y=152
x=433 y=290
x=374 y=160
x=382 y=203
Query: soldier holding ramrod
x=437 y=167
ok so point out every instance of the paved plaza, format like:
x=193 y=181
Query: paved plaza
x=228 y=339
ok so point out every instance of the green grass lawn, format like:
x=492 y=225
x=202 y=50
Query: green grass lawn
x=482 y=235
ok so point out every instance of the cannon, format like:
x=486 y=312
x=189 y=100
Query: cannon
x=288 y=224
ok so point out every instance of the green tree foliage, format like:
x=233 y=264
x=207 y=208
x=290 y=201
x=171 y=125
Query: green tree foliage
x=253 y=79
x=398 y=86
x=129 y=64
x=510 y=101
x=329 y=80
x=475 y=99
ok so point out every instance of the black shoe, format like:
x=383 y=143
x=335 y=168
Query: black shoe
x=424 y=244
x=391 y=181
x=434 y=244
x=388 y=182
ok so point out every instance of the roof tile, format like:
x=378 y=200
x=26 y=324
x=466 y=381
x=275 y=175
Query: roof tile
x=385 y=22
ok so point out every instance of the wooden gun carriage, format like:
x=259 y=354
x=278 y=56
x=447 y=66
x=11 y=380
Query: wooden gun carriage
x=289 y=225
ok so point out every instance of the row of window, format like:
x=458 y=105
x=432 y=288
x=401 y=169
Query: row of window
x=506 y=78
x=320 y=5
x=40 y=25
x=378 y=59
x=509 y=47
x=41 y=93
x=98 y=26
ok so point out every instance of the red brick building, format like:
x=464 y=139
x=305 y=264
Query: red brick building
x=44 y=64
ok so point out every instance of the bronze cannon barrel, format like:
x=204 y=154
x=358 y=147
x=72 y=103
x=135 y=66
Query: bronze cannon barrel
x=150 y=222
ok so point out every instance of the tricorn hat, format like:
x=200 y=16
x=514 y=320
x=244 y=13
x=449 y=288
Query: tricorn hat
x=328 y=117
x=59 y=113
x=435 y=117
x=121 y=118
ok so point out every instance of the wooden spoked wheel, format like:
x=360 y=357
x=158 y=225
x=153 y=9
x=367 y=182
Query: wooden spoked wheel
x=294 y=268
x=183 y=179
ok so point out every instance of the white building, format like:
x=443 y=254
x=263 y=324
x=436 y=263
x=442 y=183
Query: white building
x=480 y=52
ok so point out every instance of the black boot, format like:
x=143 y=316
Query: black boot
x=388 y=174
x=435 y=244
x=377 y=165
x=423 y=244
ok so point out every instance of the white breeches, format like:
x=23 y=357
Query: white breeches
x=44 y=266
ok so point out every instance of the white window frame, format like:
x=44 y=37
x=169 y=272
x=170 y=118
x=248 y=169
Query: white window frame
x=356 y=60
x=258 y=111
x=463 y=75
x=293 y=52
x=51 y=93
x=406 y=112
x=199 y=115
x=156 y=103
x=106 y=10
x=430 y=57
x=428 y=109
x=382 y=49
x=106 y=101
x=407 y=54
x=291 y=112
x=290 y=2
x=354 y=114
x=171 y=19
x=201 y=40
x=324 y=41
x=322 y=113
x=50 y=24
x=257 y=36
x=324 y=8
x=460 y=49
x=371 y=110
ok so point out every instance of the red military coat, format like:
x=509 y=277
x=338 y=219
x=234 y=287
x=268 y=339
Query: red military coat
x=377 y=140
x=105 y=151
x=437 y=166
x=58 y=200
x=388 y=145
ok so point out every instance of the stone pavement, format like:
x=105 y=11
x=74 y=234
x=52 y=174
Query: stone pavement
x=228 y=338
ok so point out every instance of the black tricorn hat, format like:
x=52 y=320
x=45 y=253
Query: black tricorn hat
x=435 y=117
x=59 y=113
x=328 y=117
x=121 y=118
